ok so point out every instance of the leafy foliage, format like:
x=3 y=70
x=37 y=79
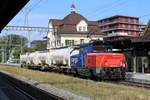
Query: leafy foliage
x=13 y=44
x=38 y=45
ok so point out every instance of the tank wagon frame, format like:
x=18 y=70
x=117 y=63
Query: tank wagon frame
x=56 y=58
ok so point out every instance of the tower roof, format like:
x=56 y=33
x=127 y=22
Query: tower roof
x=69 y=22
x=73 y=18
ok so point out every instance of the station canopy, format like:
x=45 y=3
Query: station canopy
x=146 y=36
x=8 y=9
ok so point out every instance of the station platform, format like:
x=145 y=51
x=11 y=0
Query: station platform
x=138 y=77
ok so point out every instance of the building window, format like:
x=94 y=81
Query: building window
x=123 y=26
x=115 y=26
x=129 y=27
x=128 y=32
x=103 y=28
x=129 y=20
x=107 y=21
x=134 y=33
x=123 y=20
x=80 y=28
x=103 y=22
x=84 y=28
x=69 y=42
x=107 y=27
x=134 y=27
x=134 y=21
x=114 y=20
x=81 y=41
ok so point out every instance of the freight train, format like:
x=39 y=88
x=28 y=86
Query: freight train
x=93 y=60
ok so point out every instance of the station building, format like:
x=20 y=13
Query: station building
x=71 y=30
x=74 y=27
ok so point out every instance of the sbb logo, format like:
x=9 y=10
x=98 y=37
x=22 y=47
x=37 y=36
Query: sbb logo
x=74 y=60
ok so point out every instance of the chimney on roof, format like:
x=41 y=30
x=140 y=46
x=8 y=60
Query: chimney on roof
x=73 y=8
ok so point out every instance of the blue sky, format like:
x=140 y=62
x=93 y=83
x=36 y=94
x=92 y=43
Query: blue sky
x=40 y=11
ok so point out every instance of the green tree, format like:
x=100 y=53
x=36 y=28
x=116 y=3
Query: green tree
x=13 y=44
x=38 y=45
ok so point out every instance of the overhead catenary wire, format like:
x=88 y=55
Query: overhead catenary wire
x=145 y=15
x=27 y=9
x=101 y=7
x=106 y=9
x=34 y=6
x=26 y=21
x=24 y=11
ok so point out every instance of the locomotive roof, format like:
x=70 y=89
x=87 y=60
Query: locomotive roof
x=106 y=53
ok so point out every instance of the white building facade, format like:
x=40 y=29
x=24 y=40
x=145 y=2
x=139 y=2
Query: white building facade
x=71 y=30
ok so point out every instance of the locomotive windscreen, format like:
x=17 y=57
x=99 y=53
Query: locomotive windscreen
x=99 y=46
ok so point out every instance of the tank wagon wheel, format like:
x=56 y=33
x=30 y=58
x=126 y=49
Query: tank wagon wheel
x=56 y=70
x=75 y=73
x=22 y=66
x=65 y=71
x=28 y=66
x=61 y=70
x=47 y=68
x=68 y=72
x=50 y=69
x=25 y=66
x=44 y=67
x=71 y=72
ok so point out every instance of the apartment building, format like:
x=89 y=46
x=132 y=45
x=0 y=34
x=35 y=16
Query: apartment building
x=120 y=25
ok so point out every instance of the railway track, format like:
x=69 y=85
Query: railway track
x=122 y=82
x=129 y=83
x=143 y=85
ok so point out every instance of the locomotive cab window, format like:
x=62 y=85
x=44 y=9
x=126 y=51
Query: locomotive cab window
x=101 y=48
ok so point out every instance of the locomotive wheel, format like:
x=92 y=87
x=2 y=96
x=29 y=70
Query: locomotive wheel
x=94 y=77
x=75 y=73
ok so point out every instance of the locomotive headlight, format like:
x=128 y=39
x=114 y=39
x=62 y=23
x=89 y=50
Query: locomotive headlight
x=124 y=65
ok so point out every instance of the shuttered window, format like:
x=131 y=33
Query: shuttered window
x=69 y=42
